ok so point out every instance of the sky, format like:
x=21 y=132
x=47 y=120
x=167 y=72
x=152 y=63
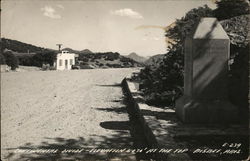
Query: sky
x=122 y=26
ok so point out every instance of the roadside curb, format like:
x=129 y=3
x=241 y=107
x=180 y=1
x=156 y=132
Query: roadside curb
x=134 y=111
x=137 y=110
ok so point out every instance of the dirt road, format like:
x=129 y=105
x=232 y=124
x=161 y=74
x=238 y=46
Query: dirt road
x=63 y=110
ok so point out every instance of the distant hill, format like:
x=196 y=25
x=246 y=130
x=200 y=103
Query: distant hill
x=154 y=60
x=136 y=57
x=71 y=50
x=106 y=60
x=86 y=51
x=20 y=47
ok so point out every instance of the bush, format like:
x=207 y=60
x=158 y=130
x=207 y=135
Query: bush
x=83 y=63
x=45 y=67
x=52 y=68
x=231 y=8
x=26 y=60
x=116 y=65
x=109 y=58
x=109 y=65
x=41 y=58
x=84 y=59
x=11 y=60
x=238 y=80
x=2 y=59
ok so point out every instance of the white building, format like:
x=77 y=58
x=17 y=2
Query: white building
x=65 y=60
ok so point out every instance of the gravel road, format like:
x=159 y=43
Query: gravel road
x=64 y=110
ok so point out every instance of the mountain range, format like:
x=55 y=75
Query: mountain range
x=136 y=57
x=154 y=60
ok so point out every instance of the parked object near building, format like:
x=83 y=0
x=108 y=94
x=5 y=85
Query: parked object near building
x=65 y=60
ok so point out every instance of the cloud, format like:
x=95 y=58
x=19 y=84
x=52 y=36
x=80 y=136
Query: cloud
x=156 y=38
x=149 y=27
x=60 y=6
x=165 y=28
x=127 y=12
x=50 y=12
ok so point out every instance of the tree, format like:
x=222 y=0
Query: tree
x=11 y=60
x=186 y=24
x=46 y=57
x=26 y=59
x=231 y=8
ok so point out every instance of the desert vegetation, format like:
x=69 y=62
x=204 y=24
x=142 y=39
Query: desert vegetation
x=162 y=83
x=10 y=59
x=106 y=60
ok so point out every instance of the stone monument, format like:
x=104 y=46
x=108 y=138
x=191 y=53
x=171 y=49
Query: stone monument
x=205 y=97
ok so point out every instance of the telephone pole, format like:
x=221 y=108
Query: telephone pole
x=59 y=46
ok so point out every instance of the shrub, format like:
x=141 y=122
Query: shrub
x=52 y=68
x=126 y=60
x=108 y=65
x=11 y=60
x=109 y=58
x=112 y=56
x=231 y=8
x=83 y=63
x=45 y=67
x=47 y=57
x=84 y=59
x=26 y=60
x=116 y=65
x=2 y=59
x=239 y=80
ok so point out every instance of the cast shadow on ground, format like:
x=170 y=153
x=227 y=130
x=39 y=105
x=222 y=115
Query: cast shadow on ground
x=168 y=116
x=118 y=110
x=125 y=134
x=109 y=85
x=117 y=140
x=115 y=125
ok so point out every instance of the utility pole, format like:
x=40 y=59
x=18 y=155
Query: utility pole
x=59 y=46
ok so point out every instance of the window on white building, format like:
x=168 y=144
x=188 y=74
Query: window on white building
x=60 y=62
x=71 y=61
